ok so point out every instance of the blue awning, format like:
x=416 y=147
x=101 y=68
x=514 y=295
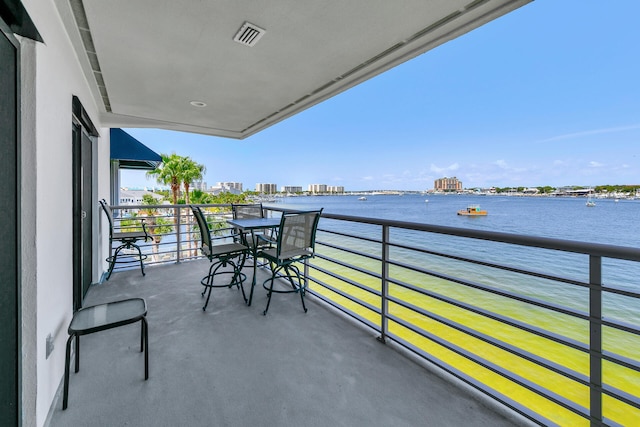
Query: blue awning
x=131 y=153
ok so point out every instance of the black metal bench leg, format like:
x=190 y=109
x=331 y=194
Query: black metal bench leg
x=67 y=360
x=77 y=353
x=145 y=334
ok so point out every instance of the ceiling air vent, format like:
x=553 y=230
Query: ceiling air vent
x=249 y=34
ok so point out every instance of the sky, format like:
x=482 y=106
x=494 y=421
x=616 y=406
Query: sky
x=546 y=95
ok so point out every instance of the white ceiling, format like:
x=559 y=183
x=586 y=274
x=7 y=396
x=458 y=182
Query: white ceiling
x=153 y=57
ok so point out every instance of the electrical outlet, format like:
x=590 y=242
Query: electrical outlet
x=49 y=345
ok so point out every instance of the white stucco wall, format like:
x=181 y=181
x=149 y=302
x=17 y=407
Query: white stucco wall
x=28 y=232
x=57 y=77
x=104 y=192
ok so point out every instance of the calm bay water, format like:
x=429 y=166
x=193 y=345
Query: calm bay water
x=609 y=222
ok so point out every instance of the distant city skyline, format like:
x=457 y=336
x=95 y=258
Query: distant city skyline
x=340 y=189
x=546 y=95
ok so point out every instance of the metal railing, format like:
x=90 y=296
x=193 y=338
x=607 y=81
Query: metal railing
x=548 y=327
x=172 y=228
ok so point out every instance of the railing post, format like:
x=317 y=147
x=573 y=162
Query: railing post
x=595 y=339
x=384 y=308
x=178 y=242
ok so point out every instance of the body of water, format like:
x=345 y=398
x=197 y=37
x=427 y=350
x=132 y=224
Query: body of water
x=609 y=222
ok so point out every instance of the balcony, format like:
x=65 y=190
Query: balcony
x=557 y=344
x=231 y=365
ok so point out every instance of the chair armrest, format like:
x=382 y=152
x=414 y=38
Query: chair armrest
x=266 y=239
x=147 y=236
x=139 y=223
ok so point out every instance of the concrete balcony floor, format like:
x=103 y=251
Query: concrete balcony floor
x=232 y=366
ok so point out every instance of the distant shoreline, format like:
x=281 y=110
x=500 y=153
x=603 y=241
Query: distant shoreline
x=423 y=193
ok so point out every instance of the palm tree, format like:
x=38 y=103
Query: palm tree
x=189 y=172
x=169 y=172
x=199 y=197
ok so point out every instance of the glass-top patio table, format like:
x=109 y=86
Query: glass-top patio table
x=252 y=225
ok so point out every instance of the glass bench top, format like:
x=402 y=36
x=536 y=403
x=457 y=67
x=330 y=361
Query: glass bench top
x=105 y=316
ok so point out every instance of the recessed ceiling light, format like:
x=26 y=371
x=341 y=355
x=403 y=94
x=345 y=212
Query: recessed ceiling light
x=198 y=104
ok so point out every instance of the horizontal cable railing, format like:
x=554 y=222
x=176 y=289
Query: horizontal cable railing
x=548 y=327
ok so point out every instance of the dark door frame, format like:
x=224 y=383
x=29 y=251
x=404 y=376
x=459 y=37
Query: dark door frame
x=14 y=19
x=83 y=133
x=10 y=259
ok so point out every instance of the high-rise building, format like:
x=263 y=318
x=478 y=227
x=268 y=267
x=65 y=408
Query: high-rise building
x=317 y=188
x=335 y=189
x=447 y=184
x=199 y=184
x=230 y=186
x=266 y=188
x=291 y=189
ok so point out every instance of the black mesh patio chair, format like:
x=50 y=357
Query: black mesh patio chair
x=295 y=244
x=220 y=256
x=243 y=211
x=127 y=240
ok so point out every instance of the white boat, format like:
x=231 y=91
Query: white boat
x=362 y=198
x=590 y=203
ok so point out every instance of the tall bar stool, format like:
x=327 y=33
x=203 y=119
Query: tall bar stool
x=220 y=255
x=127 y=240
